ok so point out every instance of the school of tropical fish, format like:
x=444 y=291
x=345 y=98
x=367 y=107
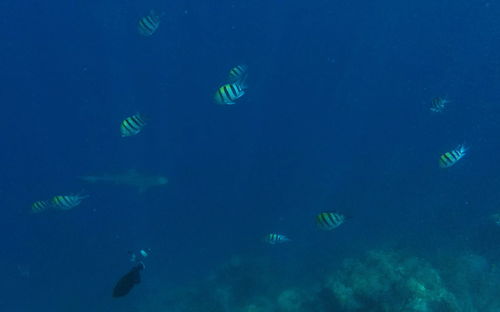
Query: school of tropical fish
x=229 y=92
x=234 y=88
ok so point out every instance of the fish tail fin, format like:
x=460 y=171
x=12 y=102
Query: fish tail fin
x=462 y=148
x=242 y=82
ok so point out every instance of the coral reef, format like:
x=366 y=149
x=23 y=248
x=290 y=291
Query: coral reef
x=474 y=280
x=388 y=281
x=379 y=281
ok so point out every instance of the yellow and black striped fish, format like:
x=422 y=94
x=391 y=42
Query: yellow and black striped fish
x=448 y=159
x=132 y=125
x=148 y=24
x=228 y=93
x=274 y=238
x=67 y=202
x=40 y=206
x=238 y=74
x=328 y=221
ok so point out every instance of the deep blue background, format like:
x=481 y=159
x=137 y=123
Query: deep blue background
x=335 y=118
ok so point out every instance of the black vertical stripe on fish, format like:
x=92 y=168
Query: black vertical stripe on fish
x=452 y=156
x=322 y=219
x=138 y=120
x=222 y=94
x=326 y=219
x=447 y=158
x=238 y=73
x=143 y=23
x=330 y=219
x=227 y=94
x=149 y=21
x=133 y=121
x=232 y=92
x=60 y=201
x=64 y=201
x=130 y=125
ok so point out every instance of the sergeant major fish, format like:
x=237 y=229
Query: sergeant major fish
x=229 y=93
x=67 y=202
x=449 y=159
x=238 y=74
x=132 y=125
x=131 y=178
x=328 y=221
x=273 y=238
x=148 y=24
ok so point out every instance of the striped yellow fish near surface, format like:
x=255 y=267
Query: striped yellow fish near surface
x=67 y=202
x=449 y=159
x=40 y=206
x=132 y=125
x=238 y=74
x=148 y=24
x=229 y=93
x=328 y=221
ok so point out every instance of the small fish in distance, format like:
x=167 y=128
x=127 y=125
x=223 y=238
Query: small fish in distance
x=128 y=281
x=148 y=24
x=274 y=238
x=238 y=74
x=438 y=104
x=328 y=221
x=132 y=125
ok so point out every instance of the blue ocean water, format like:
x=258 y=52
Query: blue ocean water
x=336 y=117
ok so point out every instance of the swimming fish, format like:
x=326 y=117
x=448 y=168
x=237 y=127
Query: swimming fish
x=238 y=74
x=67 y=202
x=128 y=281
x=132 y=125
x=448 y=159
x=40 y=206
x=328 y=221
x=274 y=238
x=230 y=92
x=148 y=24
x=438 y=104
x=131 y=178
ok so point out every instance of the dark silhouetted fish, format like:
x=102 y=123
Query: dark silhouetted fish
x=128 y=281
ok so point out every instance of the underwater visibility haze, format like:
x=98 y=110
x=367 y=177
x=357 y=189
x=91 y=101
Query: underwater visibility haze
x=250 y=156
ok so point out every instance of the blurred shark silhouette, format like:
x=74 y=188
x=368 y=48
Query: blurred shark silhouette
x=131 y=178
